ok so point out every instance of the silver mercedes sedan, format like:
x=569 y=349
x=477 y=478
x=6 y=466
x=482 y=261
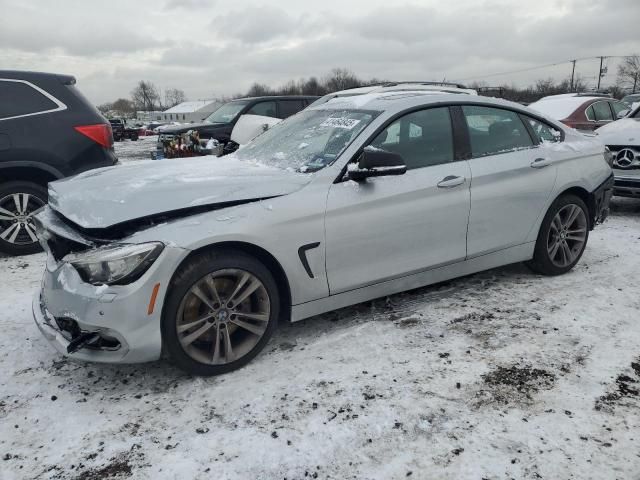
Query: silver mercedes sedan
x=347 y=201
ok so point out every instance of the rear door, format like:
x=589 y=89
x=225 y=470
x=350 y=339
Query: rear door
x=513 y=175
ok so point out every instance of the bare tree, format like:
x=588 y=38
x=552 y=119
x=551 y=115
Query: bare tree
x=341 y=79
x=123 y=107
x=145 y=96
x=629 y=73
x=259 y=90
x=173 y=97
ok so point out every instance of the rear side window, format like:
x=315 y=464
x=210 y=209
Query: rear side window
x=602 y=111
x=290 y=107
x=590 y=114
x=422 y=138
x=266 y=109
x=494 y=130
x=544 y=132
x=17 y=98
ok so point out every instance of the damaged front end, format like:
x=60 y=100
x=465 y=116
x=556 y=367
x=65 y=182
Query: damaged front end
x=100 y=300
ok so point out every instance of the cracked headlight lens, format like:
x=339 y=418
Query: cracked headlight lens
x=114 y=264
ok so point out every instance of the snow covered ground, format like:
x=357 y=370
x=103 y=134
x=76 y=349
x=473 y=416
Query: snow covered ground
x=128 y=151
x=503 y=374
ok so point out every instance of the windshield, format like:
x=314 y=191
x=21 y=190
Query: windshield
x=308 y=141
x=226 y=113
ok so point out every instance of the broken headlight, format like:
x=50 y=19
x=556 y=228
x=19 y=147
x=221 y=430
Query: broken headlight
x=114 y=264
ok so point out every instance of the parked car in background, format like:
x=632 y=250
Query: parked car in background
x=344 y=202
x=629 y=100
x=48 y=130
x=582 y=111
x=220 y=123
x=121 y=131
x=623 y=140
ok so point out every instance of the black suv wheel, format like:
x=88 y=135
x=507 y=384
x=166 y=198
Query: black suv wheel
x=18 y=202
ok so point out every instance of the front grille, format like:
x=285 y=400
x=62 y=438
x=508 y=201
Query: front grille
x=628 y=184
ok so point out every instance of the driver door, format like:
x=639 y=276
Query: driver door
x=388 y=227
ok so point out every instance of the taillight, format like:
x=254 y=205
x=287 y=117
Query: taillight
x=100 y=133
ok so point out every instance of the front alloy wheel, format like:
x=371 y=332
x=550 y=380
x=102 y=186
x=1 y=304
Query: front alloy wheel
x=221 y=309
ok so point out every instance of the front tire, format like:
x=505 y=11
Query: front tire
x=18 y=201
x=562 y=238
x=221 y=309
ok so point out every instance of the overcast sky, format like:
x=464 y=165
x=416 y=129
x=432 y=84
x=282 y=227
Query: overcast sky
x=218 y=47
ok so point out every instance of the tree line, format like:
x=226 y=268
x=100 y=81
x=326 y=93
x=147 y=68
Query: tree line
x=146 y=96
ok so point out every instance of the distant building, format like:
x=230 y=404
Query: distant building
x=190 y=112
x=147 y=117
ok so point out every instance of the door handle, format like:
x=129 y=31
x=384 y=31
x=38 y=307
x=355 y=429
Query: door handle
x=451 y=181
x=540 y=163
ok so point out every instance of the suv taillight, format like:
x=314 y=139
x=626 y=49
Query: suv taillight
x=100 y=133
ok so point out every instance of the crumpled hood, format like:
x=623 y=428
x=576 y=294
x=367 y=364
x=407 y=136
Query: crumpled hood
x=625 y=131
x=109 y=196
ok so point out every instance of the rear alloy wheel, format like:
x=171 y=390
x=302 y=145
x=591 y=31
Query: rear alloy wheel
x=563 y=237
x=18 y=202
x=220 y=312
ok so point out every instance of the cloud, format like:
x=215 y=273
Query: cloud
x=207 y=47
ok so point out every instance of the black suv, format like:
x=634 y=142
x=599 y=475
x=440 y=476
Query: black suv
x=220 y=123
x=48 y=130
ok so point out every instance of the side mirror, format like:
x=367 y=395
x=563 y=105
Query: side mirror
x=375 y=162
x=623 y=113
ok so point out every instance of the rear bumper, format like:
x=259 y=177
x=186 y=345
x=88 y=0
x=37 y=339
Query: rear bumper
x=600 y=199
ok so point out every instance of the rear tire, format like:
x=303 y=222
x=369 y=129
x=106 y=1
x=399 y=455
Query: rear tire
x=562 y=238
x=18 y=201
x=204 y=331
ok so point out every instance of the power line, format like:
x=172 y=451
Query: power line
x=537 y=67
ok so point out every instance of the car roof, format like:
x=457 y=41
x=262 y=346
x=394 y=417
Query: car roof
x=398 y=101
x=562 y=106
x=37 y=76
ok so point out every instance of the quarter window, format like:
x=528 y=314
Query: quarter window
x=266 y=109
x=544 y=132
x=17 y=98
x=591 y=116
x=602 y=111
x=422 y=138
x=494 y=130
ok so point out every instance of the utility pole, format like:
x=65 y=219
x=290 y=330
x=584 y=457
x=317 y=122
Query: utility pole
x=635 y=82
x=573 y=71
x=600 y=72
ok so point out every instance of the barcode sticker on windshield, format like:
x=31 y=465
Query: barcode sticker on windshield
x=340 y=122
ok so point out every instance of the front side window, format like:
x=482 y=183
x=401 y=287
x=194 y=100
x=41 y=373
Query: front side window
x=307 y=142
x=543 y=131
x=602 y=111
x=422 y=138
x=17 y=98
x=494 y=130
x=227 y=113
x=266 y=109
